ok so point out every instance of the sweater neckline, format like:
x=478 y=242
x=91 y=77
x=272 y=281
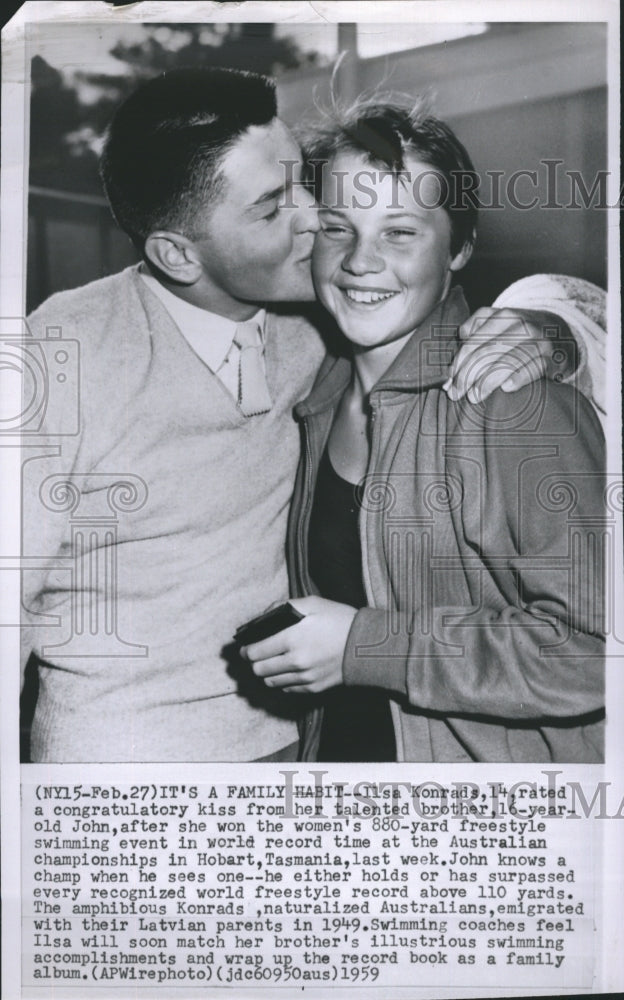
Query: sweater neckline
x=158 y=316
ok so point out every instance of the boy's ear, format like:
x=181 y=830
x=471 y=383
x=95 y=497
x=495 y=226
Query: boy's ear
x=461 y=259
x=174 y=255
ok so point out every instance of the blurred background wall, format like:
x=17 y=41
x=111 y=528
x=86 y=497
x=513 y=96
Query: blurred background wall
x=516 y=94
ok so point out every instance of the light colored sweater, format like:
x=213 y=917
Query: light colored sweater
x=149 y=581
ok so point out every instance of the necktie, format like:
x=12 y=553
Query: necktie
x=253 y=392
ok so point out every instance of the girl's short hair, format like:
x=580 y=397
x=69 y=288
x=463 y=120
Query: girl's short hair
x=385 y=133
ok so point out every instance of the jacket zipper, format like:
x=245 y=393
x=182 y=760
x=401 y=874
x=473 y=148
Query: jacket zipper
x=363 y=517
x=312 y=719
x=304 y=520
x=372 y=464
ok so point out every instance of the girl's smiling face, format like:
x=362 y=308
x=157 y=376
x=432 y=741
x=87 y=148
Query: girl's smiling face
x=382 y=259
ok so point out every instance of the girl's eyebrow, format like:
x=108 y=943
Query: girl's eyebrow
x=390 y=213
x=419 y=218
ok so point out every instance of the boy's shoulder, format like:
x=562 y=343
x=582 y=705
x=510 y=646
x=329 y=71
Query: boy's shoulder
x=90 y=310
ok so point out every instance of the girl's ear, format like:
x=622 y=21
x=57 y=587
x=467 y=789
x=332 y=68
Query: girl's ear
x=461 y=259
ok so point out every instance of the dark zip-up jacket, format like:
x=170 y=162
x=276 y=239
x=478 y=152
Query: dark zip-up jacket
x=482 y=535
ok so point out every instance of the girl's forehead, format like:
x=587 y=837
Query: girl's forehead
x=353 y=161
x=351 y=180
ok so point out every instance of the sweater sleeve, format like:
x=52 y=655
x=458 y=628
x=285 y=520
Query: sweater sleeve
x=531 y=644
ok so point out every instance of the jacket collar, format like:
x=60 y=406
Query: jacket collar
x=422 y=364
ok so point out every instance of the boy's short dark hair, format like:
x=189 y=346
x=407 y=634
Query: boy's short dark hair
x=166 y=142
x=385 y=132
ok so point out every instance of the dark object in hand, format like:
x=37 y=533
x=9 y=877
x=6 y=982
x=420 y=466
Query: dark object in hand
x=269 y=623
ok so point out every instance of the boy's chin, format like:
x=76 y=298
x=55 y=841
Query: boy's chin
x=296 y=291
x=306 y=295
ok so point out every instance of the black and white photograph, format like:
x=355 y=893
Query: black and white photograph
x=312 y=562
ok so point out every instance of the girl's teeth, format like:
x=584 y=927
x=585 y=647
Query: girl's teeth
x=367 y=298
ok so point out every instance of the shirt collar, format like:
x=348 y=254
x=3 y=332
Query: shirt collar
x=209 y=334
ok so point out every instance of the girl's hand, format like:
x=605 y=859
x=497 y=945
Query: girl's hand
x=307 y=657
